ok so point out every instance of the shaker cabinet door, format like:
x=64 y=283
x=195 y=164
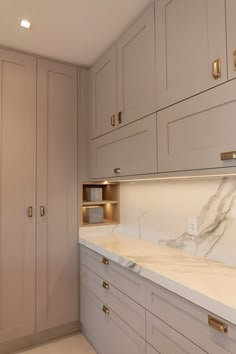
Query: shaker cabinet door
x=136 y=70
x=231 y=40
x=57 y=273
x=17 y=194
x=190 y=47
x=103 y=90
x=199 y=133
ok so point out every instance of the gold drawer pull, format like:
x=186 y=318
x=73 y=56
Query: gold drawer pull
x=113 y=120
x=230 y=155
x=216 y=69
x=234 y=59
x=30 y=212
x=105 y=310
x=105 y=285
x=217 y=325
x=105 y=261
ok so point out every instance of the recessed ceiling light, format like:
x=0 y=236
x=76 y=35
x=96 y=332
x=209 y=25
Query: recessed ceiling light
x=25 y=24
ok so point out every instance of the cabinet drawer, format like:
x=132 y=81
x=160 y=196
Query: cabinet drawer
x=132 y=313
x=151 y=350
x=131 y=149
x=114 y=336
x=166 y=339
x=193 y=134
x=190 y=320
x=122 y=278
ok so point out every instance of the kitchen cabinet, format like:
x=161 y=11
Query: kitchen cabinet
x=198 y=133
x=136 y=70
x=103 y=93
x=57 y=273
x=231 y=42
x=17 y=194
x=190 y=47
x=130 y=150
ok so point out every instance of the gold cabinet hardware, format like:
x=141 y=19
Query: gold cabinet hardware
x=117 y=170
x=120 y=117
x=113 y=120
x=230 y=155
x=105 y=285
x=234 y=53
x=42 y=210
x=217 y=325
x=30 y=211
x=105 y=310
x=216 y=69
x=105 y=261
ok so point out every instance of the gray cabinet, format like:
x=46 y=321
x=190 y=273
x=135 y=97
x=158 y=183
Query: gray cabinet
x=57 y=273
x=190 y=47
x=136 y=70
x=193 y=134
x=103 y=94
x=130 y=150
x=17 y=194
x=231 y=41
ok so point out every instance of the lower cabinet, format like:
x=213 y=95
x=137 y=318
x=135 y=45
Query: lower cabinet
x=130 y=150
x=107 y=332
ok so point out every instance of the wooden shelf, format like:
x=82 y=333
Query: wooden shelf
x=102 y=202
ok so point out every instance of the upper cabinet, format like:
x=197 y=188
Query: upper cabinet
x=136 y=70
x=103 y=91
x=190 y=47
x=231 y=40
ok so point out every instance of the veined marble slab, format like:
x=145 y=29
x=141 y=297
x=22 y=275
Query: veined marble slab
x=209 y=284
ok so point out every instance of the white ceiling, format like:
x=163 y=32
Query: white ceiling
x=76 y=31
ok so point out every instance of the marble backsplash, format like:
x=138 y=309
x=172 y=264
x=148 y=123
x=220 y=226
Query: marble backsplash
x=159 y=211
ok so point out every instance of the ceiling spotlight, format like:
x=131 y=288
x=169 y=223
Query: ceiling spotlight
x=25 y=24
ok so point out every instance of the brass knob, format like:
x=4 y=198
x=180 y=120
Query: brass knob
x=105 y=285
x=217 y=324
x=120 y=117
x=30 y=212
x=105 y=261
x=117 y=170
x=105 y=310
x=113 y=120
x=216 y=69
x=42 y=210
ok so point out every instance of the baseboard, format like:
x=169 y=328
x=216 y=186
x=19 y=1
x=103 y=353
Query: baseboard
x=39 y=338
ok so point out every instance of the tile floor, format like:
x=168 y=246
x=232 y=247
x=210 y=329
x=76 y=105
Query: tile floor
x=74 y=344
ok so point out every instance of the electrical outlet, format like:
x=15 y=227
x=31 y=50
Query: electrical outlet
x=193 y=226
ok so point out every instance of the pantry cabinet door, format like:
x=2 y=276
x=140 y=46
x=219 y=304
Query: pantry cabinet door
x=190 y=37
x=193 y=134
x=103 y=90
x=136 y=70
x=57 y=273
x=231 y=40
x=17 y=194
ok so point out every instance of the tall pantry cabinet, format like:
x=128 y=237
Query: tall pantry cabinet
x=38 y=196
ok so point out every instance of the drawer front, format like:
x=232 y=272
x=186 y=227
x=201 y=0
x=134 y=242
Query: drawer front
x=190 y=320
x=151 y=350
x=131 y=149
x=120 y=277
x=166 y=340
x=132 y=313
x=116 y=335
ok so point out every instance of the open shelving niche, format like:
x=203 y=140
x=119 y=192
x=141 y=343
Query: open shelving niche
x=110 y=202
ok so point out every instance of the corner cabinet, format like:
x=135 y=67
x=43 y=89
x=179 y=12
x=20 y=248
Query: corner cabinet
x=231 y=41
x=57 y=273
x=103 y=93
x=199 y=133
x=130 y=150
x=190 y=47
x=17 y=194
x=136 y=70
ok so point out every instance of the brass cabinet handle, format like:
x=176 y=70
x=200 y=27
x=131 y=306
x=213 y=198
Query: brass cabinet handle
x=230 y=155
x=105 y=261
x=117 y=170
x=113 y=120
x=120 y=117
x=105 y=310
x=217 y=325
x=42 y=210
x=105 y=285
x=30 y=211
x=216 y=69
x=234 y=52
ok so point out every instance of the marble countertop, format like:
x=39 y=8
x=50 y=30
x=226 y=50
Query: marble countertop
x=209 y=284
